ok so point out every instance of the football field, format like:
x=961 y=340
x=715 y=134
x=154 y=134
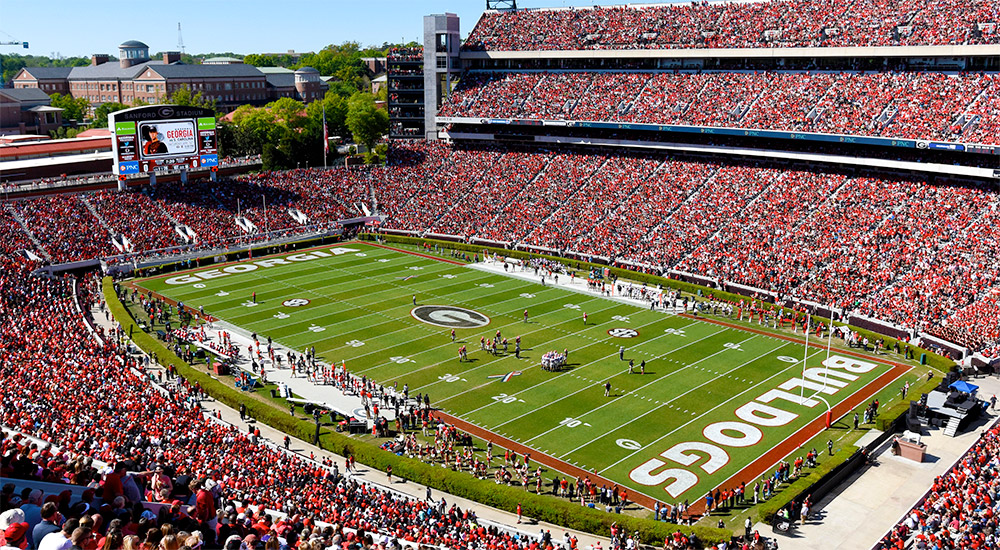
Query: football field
x=718 y=403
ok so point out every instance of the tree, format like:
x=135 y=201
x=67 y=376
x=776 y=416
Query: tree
x=367 y=123
x=336 y=115
x=183 y=96
x=73 y=108
x=64 y=133
x=102 y=112
x=260 y=60
x=288 y=111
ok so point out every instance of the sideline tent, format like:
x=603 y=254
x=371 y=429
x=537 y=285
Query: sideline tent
x=964 y=386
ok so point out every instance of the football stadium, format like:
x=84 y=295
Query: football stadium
x=693 y=275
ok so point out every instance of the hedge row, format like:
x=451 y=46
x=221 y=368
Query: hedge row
x=544 y=508
x=888 y=417
x=940 y=362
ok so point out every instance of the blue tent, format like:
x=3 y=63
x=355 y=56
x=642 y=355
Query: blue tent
x=964 y=386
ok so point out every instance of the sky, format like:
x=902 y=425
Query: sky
x=67 y=28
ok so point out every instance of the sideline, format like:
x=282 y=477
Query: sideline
x=778 y=452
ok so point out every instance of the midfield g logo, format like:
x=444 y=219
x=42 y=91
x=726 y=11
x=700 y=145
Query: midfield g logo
x=450 y=316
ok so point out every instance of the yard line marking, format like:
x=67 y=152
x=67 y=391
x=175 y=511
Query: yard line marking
x=473 y=369
x=449 y=343
x=589 y=387
x=567 y=335
x=646 y=385
x=668 y=434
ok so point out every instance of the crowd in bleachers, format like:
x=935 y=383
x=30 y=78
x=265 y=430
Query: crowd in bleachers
x=93 y=402
x=137 y=217
x=960 y=509
x=916 y=256
x=914 y=253
x=787 y=23
x=81 y=226
x=66 y=229
x=13 y=240
x=914 y=105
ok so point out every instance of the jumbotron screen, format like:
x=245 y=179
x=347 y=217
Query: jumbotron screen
x=163 y=137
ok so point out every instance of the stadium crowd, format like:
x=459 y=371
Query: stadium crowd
x=787 y=23
x=913 y=105
x=80 y=226
x=791 y=232
x=134 y=443
x=959 y=511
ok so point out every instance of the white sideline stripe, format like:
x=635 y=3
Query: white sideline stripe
x=817 y=433
x=354 y=320
x=304 y=272
x=286 y=282
x=465 y=302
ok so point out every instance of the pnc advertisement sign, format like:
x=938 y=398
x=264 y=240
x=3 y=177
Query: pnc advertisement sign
x=163 y=137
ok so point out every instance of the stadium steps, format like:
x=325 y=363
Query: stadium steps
x=969 y=119
x=742 y=114
x=455 y=204
x=520 y=106
x=514 y=197
x=465 y=84
x=697 y=99
x=951 y=428
x=635 y=98
x=691 y=198
x=933 y=260
x=24 y=227
x=621 y=203
x=624 y=203
x=100 y=219
x=567 y=199
x=885 y=118
x=175 y=223
x=472 y=228
x=576 y=100
x=807 y=216
x=890 y=215
x=724 y=226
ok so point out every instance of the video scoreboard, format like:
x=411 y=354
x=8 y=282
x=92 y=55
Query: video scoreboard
x=163 y=137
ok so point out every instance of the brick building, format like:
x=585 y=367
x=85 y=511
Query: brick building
x=27 y=111
x=138 y=77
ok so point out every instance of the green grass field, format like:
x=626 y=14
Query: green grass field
x=697 y=373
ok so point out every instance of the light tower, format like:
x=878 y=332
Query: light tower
x=501 y=4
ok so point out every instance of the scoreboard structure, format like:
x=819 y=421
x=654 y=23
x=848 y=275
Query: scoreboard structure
x=160 y=138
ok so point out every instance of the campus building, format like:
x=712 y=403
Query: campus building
x=136 y=76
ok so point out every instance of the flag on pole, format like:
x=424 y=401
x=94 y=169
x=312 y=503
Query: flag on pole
x=326 y=135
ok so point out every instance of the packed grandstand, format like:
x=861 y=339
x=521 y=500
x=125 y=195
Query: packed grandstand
x=928 y=260
x=910 y=249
